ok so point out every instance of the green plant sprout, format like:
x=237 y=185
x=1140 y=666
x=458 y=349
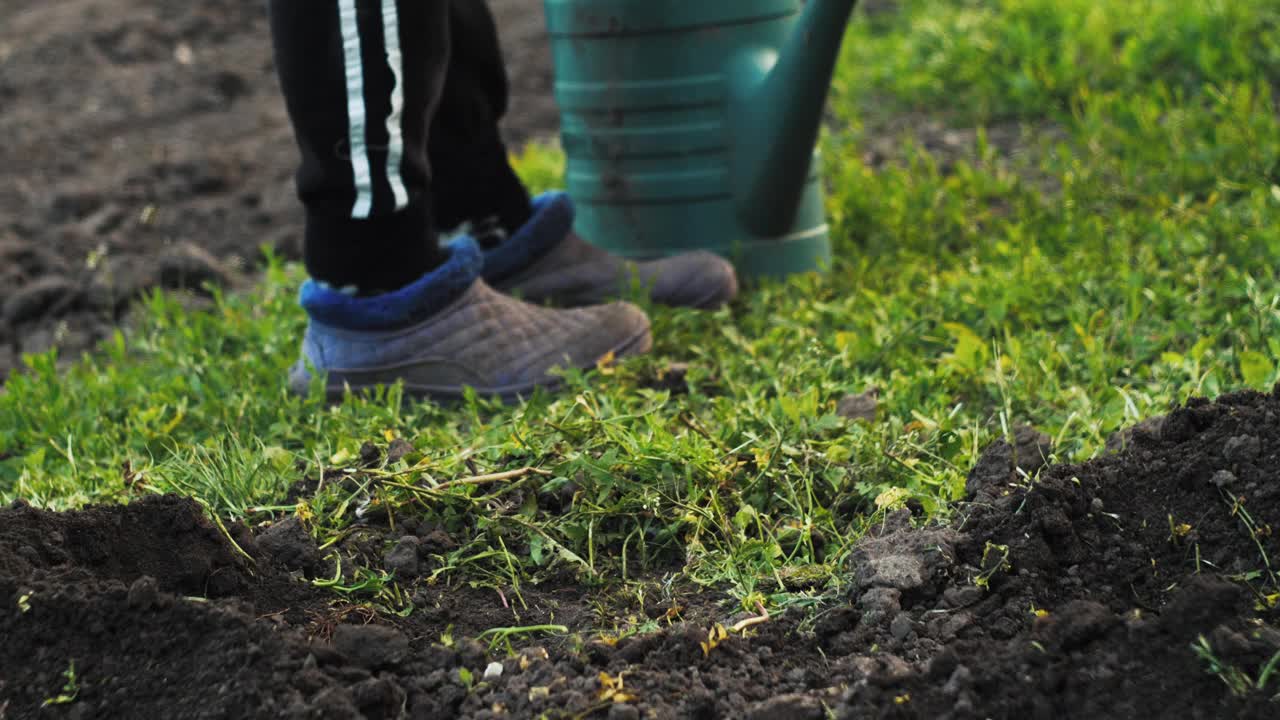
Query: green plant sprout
x=70 y=688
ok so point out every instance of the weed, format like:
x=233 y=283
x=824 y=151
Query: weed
x=70 y=689
x=467 y=678
x=1236 y=680
x=501 y=637
x=995 y=559
x=1255 y=532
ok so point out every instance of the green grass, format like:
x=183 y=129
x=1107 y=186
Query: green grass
x=1120 y=262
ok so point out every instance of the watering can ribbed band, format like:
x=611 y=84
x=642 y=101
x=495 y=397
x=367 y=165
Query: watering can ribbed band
x=691 y=124
x=652 y=189
x=622 y=18
x=706 y=89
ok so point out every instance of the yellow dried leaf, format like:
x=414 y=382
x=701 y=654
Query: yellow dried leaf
x=608 y=682
x=714 y=638
x=611 y=689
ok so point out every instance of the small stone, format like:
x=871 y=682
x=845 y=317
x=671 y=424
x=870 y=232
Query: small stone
x=863 y=406
x=371 y=646
x=403 y=558
x=901 y=627
x=1241 y=449
x=1096 y=505
x=143 y=593
x=623 y=711
x=1223 y=478
x=961 y=596
x=494 y=671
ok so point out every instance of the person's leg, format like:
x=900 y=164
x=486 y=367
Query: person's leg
x=477 y=185
x=361 y=79
x=385 y=304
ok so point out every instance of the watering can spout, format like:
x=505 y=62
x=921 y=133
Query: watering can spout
x=776 y=110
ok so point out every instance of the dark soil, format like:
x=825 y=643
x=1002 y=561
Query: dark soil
x=1079 y=594
x=146 y=145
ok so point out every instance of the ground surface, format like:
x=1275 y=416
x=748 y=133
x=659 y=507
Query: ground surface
x=1077 y=597
x=1052 y=213
x=146 y=145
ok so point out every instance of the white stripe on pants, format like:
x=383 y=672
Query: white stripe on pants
x=395 y=147
x=356 y=113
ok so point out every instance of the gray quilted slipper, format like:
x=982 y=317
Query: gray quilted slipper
x=483 y=340
x=545 y=262
x=576 y=272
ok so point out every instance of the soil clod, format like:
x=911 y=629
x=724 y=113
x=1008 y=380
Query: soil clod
x=371 y=646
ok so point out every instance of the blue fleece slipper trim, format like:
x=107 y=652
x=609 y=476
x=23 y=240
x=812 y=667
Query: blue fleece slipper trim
x=551 y=223
x=410 y=304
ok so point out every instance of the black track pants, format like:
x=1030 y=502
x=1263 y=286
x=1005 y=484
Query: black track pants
x=395 y=107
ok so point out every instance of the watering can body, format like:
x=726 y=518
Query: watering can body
x=691 y=124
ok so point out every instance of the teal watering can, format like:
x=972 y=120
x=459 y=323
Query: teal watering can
x=691 y=124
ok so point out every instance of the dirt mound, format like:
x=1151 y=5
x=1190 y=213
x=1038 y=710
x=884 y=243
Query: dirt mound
x=1083 y=596
x=1108 y=589
x=167 y=538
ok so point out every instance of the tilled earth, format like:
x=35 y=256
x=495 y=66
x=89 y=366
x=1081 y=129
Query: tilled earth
x=146 y=145
x=1077 y=594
